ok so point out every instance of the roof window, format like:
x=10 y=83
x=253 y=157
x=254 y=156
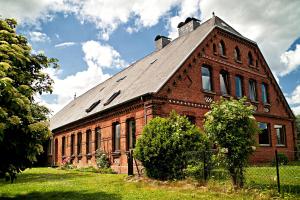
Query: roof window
x=92 y=106
x=112 y=97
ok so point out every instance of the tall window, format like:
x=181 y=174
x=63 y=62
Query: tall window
x=214 y=48
x=264 y=93
x=264 y=136
x=63 y=146
x=222 y=48
x=206 y=78
x=50 y=146
x=116 y=136
x=79 y=143
x=224 y=82
x=280 y=135
x=88 y=140
x=237 y=54
x=238 y=86
x=97 y=138
x=252 y=90
x=130 y=134
x=250 y=58
x=72 y=144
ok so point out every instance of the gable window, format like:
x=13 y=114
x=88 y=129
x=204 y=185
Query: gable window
x=264 y=93
x=63 y=146
x=206 y=78
x=79 y=143
x=214 y=49
x=224 y=82
x=238 y=87
x=88 y=140
x=252 y=90
x=264 y=136
x=116 y=136
x=237 y=54
x=250 y=58
x=222 y=48
x=72 y=145
x=131 y=139
x=280 y=135
x=97 y=138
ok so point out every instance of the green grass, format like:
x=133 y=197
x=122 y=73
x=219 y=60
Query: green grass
x=49 y=183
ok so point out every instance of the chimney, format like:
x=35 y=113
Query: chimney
x=188 y=25
x=161 y=42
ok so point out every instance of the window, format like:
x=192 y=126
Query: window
x=206 y=78
x=88 y=140
x=92 y=106
x=280 y=134
x=238 y=87
x=79 y=143
x=50 y=147
x=252 y=90
x=264 y=93
x=224 y=83
x=264 y=136
x=222 y=48
x=191 y=119
x=214 y=48
x=250 y=58
x=130 y=134
x=237 y=54
x=116 y=136
x=63 y=146
x=72 y=144
x=97 y=138
x=113 y=96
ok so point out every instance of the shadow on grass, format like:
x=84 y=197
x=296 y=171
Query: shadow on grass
x=284 y=188
x=63 y=195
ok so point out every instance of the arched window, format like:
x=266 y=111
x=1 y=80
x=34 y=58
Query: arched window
x=222 y=48
x=214 y=48
x=237 y=54
x=250 y=58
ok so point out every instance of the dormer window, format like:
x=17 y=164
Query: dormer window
x=237 y=54
x=250 y=58
x=222 y=48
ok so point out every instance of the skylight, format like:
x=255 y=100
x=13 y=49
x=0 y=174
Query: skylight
x=112 y=97
x=92 y=106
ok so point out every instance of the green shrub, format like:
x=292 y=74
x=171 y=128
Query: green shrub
x=102 y=159
x=67 y=164
x=163 y=146
x=195 y=171
x=282 y=159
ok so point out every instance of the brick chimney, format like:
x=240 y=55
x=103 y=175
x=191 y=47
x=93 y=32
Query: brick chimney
x=188 y=25
x=161 y=42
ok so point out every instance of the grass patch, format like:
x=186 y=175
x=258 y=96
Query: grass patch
x=49 y=183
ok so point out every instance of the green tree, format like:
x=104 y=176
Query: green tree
x=164 y=143
x=231 y=125
x=23 y=122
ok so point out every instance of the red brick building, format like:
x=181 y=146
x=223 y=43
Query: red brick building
x=207 y=61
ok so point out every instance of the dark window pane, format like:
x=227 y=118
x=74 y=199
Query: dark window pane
x=250 y=58
x=97 y=138
x=237 y=55
x=72 y=144
x=238 y=87
x=224 y=83
x=264 y=93
x=117 y=136
x=130 y=134
x=88 y=144
x=280 y=134
x=264 y=136
x=252 y=90
x=79 y=140
x=63 y=146
x=206 y=79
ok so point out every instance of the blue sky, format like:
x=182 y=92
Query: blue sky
x=95 y=39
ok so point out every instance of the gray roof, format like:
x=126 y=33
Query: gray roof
x=145 y=76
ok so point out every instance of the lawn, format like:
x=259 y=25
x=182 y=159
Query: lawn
x=49 y=183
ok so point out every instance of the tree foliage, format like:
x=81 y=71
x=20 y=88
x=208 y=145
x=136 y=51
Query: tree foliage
x=23 y=122
x=164 y=143
x=231 y=125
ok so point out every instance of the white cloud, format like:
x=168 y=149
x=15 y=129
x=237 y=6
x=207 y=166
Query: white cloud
x=291 y=59
x=274 y=25
x=64 y=44
x=97 y=57
x=296 y=110
x=294 y=100
x=35 y=36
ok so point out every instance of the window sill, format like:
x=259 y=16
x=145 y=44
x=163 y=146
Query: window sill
x=238 y=61
x=281 y=145
x=227 y=96
x=116 y=154
x=264 y=145
x=215 y=53
x=267 y=105
x=79 y=156
x=89 y=156
x=223 y=56
x=208 y=92
x=255 y=102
